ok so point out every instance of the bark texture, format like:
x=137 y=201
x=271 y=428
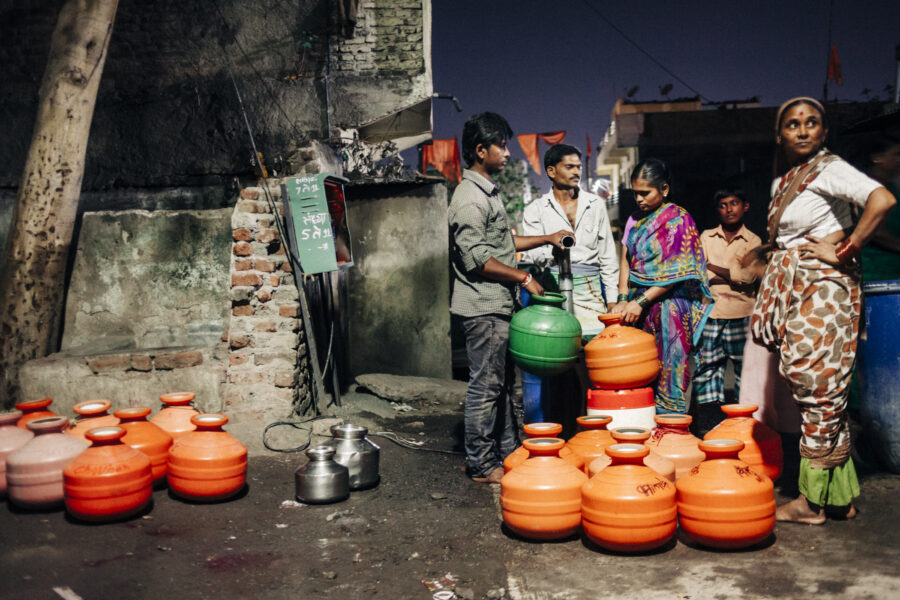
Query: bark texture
x=32 y=286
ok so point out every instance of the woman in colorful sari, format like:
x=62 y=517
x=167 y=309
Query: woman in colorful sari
x=662 y=280
x=807 y=309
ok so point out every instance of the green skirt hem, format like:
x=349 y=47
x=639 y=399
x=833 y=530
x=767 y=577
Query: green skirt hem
x=837 y=486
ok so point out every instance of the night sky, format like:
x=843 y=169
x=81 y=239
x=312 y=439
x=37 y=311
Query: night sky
x=547 y=66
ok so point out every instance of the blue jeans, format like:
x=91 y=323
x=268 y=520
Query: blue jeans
x=491 y=431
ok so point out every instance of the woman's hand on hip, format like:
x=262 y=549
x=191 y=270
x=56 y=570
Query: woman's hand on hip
x=819 y=248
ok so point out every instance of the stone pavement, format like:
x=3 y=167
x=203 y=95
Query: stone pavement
x=425 y=526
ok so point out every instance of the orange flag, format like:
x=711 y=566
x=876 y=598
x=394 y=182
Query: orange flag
x=555 y=137
x=444 y=155
x=834 y=66
x=529 y=144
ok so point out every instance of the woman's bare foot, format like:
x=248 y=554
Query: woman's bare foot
x=840 y=512
x=799 y=511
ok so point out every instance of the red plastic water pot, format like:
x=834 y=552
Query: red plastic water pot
x=146 y=437
x=541 y=498
x=108 y=481
x=628 y=507
x=724 y=502
x=762 y=444
x=671 y=439
x=208 y=464
x=34 y=409
x=90 y=415
x=176 y=414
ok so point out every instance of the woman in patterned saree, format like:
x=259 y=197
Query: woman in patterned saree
x=662 y=280
x=807 y=309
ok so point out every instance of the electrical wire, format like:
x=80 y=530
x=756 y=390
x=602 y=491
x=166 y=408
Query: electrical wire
x=258 y=74
x=612 y=25
x=295 y=266
x=388 y=435
x=412 y=444
x=295 y=425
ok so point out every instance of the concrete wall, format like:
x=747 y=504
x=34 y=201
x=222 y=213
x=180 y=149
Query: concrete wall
x=146 y=280
x=399 y=319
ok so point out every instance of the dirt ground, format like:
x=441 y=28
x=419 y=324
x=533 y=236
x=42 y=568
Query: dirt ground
x=423 y=528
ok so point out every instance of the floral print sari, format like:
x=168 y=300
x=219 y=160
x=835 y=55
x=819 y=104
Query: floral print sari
x=664 y=249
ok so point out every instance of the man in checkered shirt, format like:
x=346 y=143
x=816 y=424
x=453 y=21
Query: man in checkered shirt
x=485 y=287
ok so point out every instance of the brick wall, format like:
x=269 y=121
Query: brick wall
x=267 y=363
x=388 y=40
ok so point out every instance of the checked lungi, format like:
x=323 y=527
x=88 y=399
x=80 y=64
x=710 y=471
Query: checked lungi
x=721 y=339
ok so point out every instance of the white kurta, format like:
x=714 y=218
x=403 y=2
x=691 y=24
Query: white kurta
x=824 y=206
x=594 y=243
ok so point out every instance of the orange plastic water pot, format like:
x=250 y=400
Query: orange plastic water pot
x=90 y=415
x=11 y=438
x=762 y=444
x=635 y=435
x=627 y=507
x=208 y=464
x=175 y=416
x=34 y=409
x=144 y=436
x=621 y=356
x=593 y=439
x=543 y=430
x=109 y=480
x=672 y=440
x=724 y=502
x=541 y=498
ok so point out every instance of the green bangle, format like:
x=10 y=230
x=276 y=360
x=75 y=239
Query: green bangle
x=642 y=301
x=622 y=298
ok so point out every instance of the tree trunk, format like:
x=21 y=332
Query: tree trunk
x=33 y=277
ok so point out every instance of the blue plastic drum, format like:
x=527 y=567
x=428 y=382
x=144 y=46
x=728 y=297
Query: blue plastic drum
x=879 y=365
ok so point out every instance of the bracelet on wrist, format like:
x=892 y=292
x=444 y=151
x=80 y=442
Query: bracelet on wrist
x=846 y=250
x=642 y=300
x=527 y=279
x=622 y=298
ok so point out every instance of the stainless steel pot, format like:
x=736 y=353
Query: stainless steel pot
x=357 y=453
x=321 y=480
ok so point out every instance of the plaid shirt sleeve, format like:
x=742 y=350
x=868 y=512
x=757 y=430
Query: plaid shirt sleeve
x=468 y=219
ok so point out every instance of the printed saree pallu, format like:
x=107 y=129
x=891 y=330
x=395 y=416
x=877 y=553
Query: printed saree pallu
x=808 y=312
x=664 y=249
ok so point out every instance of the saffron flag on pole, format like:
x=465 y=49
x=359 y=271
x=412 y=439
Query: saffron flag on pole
x=529 y=144
x=554 y=137
x=834 y=66
x=444 y=155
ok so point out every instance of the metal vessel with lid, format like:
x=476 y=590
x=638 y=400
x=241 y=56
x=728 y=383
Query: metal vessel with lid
x=321 y=480
x=354 y=450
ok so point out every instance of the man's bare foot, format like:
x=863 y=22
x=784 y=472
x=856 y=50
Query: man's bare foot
x=799 y=511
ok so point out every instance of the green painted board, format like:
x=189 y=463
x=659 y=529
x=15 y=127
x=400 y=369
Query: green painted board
x=313 y=233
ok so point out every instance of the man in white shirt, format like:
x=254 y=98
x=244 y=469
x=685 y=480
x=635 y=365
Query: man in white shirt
x=595 y=265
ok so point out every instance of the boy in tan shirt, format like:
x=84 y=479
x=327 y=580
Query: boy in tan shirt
x=725 y=331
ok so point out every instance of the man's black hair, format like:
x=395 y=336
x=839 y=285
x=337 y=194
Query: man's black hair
x=486 y=128
x=555 y=153
x=728 y=192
